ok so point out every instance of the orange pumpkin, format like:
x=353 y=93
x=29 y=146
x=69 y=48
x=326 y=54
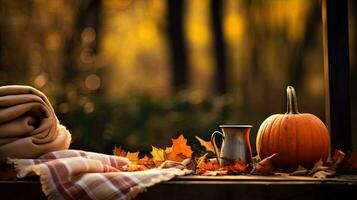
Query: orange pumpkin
x=298 y=138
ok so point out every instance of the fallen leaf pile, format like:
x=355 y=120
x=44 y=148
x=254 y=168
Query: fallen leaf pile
x=180 y=155
x=176 y=155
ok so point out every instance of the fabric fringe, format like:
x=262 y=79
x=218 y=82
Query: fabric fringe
x=134 y=191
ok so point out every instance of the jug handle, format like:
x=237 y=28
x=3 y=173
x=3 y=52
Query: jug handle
x=213 y=141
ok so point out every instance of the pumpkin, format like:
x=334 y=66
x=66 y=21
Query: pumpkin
x=297 y=138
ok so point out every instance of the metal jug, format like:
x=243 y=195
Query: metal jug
x=235 y=145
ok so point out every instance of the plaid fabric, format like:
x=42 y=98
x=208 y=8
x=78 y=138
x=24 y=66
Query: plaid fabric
x=74 y=174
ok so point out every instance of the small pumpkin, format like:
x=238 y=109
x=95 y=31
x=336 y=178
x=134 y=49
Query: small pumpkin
x=298 y=138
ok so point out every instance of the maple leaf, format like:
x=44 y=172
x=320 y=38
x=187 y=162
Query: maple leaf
x=207 y=144
x=133 y=156
x=179 y=146
x=147 y=162
x=157 y=154
x=118 y=151
x=145 y=158
x=168 y=150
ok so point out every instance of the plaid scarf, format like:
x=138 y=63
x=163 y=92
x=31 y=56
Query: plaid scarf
x=74 y=174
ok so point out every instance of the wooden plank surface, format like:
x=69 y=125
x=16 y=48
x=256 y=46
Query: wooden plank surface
x=219 y=187
x=271 y=179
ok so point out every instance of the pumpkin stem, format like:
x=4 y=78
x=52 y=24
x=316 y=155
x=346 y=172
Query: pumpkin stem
x=292 y=106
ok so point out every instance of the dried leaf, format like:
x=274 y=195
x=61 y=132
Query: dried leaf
x=168 y=150
x=237 y=168
x=264 y=167
x=337 y=158
x=179 y=146
x=189 y=163
x=349 y=164
x=145 y=159
x=207 y=165
x=157 y=154
x=319 y=163
x=318 y=171
x=207 y=144
x=134 y=167
x=300 y=171
x=170 y=163
x=323 y=174
x=147 y=162
x=321 y=171
x=133 y=156
x=202 y=159
x=118 y=151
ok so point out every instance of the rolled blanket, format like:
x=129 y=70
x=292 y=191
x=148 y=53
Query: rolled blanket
x=28 y=125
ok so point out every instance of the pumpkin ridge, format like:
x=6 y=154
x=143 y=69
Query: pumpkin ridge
x=280 y=135
x=289 y=140
x=260 y=140
x=323 y=134
x=314 y=145
x=320 y=134
x=295 y=143
x=267 y=135
x=273 y=134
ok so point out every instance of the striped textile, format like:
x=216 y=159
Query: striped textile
x=74 y=174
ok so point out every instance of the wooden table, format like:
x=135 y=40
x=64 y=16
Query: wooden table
x=221 y=187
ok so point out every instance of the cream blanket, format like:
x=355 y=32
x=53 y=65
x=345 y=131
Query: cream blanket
x=28 y=124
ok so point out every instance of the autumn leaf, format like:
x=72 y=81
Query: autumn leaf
x=118 y=151
x=207 y=144
x=168 y=150
x=133 y=156
x=207 y=165
x=337 y=158
x=144 y=159
x=147 y=162
x=300 y=171
x=237 y=168
x=202 y=159
x=263 y=167
x=134 y=167
x=157 y=154
x=170 y=164
x=349 y=163
x=179 y=146
x=189 y=163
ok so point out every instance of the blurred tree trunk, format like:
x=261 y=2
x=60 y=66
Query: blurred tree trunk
x=295 y=66
x=219 y=47
x=252 y=80
x=177 y=43
x=89 y=15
